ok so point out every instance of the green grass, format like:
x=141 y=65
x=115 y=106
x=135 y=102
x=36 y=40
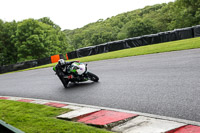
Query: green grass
x=34 y=118
x=149 y=49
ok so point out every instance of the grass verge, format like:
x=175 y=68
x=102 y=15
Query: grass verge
x=34 y=118
x=149 y=49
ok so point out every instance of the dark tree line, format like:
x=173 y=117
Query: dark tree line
x=34 y=39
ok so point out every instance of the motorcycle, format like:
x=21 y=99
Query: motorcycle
x=77 y=72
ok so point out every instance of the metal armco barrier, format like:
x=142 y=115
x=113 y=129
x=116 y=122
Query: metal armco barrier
x=6 y=128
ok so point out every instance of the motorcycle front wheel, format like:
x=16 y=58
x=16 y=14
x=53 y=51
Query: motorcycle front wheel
x=93 y=77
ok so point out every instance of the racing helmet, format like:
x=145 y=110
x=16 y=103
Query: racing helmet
x=61 y=62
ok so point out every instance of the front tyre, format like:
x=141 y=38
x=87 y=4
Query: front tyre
x=93 y=77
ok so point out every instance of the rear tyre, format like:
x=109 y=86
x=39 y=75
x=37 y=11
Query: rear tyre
x=93 y=77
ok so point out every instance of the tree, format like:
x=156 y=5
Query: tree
x=138 y=27
x=48 y=21
x=185 y=13
x=1 y=44
x=8 y=50
x=129 y=24
x=36 y=40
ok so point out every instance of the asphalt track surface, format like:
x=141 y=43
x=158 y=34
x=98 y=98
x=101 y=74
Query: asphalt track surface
x=166 y=84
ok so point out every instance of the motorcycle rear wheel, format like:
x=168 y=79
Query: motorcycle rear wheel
x=93 y=77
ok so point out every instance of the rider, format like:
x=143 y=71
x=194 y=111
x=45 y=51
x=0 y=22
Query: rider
x=62 y=70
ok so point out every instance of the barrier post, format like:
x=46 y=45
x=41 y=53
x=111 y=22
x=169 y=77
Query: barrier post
x=67 y=56
x=55 y=58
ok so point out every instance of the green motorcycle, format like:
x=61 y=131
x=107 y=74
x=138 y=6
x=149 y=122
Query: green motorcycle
x=77 y=72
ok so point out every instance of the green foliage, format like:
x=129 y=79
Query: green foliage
x=137 y=27
x=143 y=50
x=48 y=21
x=30 y=39
x=149 y=20
x=34 y=39
x=8 y=51
x=122 y=26
x=1 y=44
x=187 y=12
